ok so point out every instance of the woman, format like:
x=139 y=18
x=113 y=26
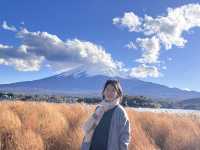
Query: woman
x=108 y=128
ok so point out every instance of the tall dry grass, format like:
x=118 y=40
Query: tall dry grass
x=48 y=126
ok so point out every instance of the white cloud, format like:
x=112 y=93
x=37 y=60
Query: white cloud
x=166 y=30
x=32 y=64
x=151 y=48
x=38 y=49
x=8 y=27
x=41 y=48
x=129 y=20
x=131 y=45
x=70 y=53
x=187 y=89
x=5 y=46
x=144 y=71
x=164 y=67
x=16 y=57
x=169 y=59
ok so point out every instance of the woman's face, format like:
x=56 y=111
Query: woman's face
x=110 y=93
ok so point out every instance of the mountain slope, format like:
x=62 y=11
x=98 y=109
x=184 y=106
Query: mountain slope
x=189 y=104
x=80 y=83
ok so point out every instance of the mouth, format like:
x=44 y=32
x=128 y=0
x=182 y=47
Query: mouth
x=110 y=97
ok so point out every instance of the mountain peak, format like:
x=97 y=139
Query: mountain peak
x=76 y=73
x=81 y=72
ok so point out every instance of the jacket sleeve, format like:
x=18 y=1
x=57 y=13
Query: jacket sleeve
x=125 y=130
x=85 y=145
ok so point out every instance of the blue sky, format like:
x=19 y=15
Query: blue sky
x=53 y=36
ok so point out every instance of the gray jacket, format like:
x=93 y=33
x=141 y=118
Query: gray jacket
x=120 y=131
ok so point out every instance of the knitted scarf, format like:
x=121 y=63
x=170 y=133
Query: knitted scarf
x=90 y=125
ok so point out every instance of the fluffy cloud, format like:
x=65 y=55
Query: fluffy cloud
x=131 y=45
x=23 y=64
x=166 y=31
x=151 y=48
x=18 y=58
x=39 y=49
x=129 y=20
x=143 y=71
x=187 y=89
x=7 y=27
x=71 y=53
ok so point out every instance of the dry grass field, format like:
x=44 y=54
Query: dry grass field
x=49 y=126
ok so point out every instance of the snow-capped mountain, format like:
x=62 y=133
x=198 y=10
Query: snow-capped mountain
x=79 y=83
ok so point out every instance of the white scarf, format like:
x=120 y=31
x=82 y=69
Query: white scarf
x=90 y=125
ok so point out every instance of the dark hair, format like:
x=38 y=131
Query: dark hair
x=116 y=84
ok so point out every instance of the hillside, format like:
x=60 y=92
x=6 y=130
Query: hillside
x=189 y=104
x=78 y=83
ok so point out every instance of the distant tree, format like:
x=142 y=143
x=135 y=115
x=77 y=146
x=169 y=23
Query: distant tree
x=10 y=94
x=80 y=100
x=1 y=94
